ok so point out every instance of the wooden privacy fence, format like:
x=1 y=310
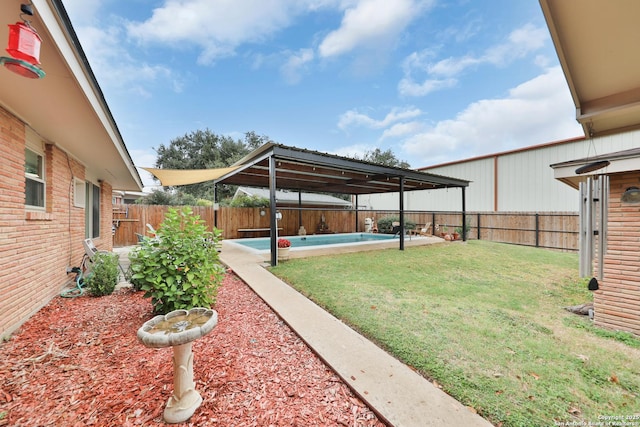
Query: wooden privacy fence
x=552 y=230
x=131 y=219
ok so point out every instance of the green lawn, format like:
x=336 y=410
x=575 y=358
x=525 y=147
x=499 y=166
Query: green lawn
x=485 y=321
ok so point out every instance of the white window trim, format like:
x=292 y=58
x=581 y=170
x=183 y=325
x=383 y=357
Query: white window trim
x=79 y=193
x=40 y=152
x=92 y=230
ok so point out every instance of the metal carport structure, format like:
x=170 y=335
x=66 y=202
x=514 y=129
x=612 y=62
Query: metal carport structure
x=278 y=166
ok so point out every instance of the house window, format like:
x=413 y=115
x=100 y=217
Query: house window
x=35 y=180
x=92 y=211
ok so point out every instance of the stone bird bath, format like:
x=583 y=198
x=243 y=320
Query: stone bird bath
x=179 y=329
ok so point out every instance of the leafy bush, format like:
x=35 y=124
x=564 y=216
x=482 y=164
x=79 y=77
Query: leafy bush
x=179 y=269
x=385 y=224
x=467 y=228
x=103 y=276
x=136 y=284
x=246 y=201
x=167 y=198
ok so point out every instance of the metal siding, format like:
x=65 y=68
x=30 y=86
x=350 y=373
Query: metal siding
x=379 y=201
x=526 y=184
x=479 y=194
x=525 y=179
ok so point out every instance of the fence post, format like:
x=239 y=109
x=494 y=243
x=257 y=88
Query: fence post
x=478 y=221
x=433 y=223
x=537 y=230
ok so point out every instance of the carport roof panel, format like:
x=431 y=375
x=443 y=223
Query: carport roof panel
x=301 y=169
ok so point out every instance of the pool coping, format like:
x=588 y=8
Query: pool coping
x=306 y=251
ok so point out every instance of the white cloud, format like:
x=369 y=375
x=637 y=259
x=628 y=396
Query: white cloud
x=354 y=151
x=443 y=74
x=353 y=118
x=462 y=33
x=296 y=64
x=218 y=27
x=114 y=66
x=520 y=43
x=82 y=10
x=408 y=87
x=402 y=129
x=370 y=24
x=398 y=114
x=539 y=110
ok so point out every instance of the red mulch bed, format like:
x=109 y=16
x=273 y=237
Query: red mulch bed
x=77 y=362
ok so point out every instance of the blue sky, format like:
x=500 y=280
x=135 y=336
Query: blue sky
x=432 y=80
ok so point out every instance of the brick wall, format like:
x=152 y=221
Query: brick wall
x=37 y=247
x=617 y=302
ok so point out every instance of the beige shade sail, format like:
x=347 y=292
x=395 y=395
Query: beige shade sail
x=173 y=177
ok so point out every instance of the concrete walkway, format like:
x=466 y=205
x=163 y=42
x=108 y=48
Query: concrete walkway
x=397 y=394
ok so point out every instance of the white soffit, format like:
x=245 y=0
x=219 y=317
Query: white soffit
x=597 y=44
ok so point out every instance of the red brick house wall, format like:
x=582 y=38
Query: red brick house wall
x=37 y=247
x=617 y=302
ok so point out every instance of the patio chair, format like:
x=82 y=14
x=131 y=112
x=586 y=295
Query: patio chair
x=421 y=230
x=396 y=229
x=90 y=251
x=89 y=248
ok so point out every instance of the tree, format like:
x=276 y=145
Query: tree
x=168 y=198
x=204 y=149
x=386 y=158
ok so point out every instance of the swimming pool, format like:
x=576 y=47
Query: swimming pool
x=263 y=243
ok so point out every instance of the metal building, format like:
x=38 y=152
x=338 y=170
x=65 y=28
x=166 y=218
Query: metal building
x=511 y=181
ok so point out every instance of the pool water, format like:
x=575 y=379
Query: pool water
x=263 y=243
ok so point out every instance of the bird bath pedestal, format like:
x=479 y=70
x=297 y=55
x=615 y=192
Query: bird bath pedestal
x=179 y=329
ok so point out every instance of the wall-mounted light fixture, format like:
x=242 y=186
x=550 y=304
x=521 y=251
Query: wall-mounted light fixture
x=262 y=212
x=631 y=195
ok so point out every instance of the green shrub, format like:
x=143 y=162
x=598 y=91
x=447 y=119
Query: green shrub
x=136 y=284
x=384 y=224
x=467 y=228
x=246 y=201
x=103 y=276
x=179 y=269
